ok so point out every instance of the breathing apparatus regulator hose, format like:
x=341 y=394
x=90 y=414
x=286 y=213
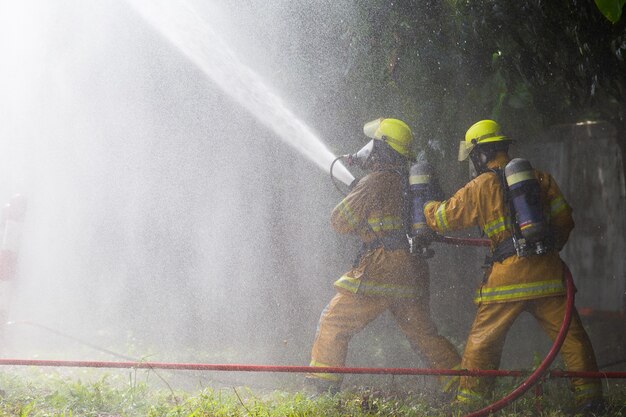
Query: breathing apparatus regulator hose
x=538 y=373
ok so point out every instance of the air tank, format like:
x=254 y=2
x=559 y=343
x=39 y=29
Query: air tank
x=420 y=186
x=525 y=195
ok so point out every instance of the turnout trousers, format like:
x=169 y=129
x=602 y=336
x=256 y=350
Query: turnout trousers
x=483 y=349
x=347 y=314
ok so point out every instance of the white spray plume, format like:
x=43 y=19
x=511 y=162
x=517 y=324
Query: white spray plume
x=182 y=26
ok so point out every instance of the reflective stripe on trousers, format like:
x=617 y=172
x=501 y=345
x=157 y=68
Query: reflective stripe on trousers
x=586 y=393
x=326 y=376
x=372 y=288
x=467 y=396
x=519 y=291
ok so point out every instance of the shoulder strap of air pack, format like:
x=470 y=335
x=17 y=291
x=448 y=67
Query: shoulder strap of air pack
x=506 y=248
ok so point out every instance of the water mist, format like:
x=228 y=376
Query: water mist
x=165 y=220
x=182 y=26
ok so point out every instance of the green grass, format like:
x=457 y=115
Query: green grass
x=39 y=393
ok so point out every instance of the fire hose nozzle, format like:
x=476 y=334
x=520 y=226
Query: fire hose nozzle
x=349 y=158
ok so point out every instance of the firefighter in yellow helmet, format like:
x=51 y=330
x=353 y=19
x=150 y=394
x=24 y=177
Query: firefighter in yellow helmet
x=516 y=281
x=385 y=275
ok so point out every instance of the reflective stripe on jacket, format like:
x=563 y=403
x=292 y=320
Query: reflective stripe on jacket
x=373 y=211
x=480 y=202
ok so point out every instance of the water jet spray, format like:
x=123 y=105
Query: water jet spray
x=181 y=25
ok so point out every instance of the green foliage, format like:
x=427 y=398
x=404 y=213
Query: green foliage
x=562 y=55
x=528 y=63
x=30 y=394
x=35 y=394
x=611 y=9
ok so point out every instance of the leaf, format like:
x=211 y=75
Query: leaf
x=611 y=9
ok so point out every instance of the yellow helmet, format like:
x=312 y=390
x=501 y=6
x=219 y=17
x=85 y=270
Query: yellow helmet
x=484 y=131
x=394 y=132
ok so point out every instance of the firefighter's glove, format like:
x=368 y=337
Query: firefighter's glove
x=425 y=237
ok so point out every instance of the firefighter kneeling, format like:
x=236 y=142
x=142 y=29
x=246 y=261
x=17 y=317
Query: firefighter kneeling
x=528 y=221
x=386 y=276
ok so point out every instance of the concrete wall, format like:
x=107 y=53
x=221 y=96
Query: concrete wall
x=587 y=163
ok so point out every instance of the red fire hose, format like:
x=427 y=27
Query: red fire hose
x=254 y=368
x=299 y=369
x=512 y=396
